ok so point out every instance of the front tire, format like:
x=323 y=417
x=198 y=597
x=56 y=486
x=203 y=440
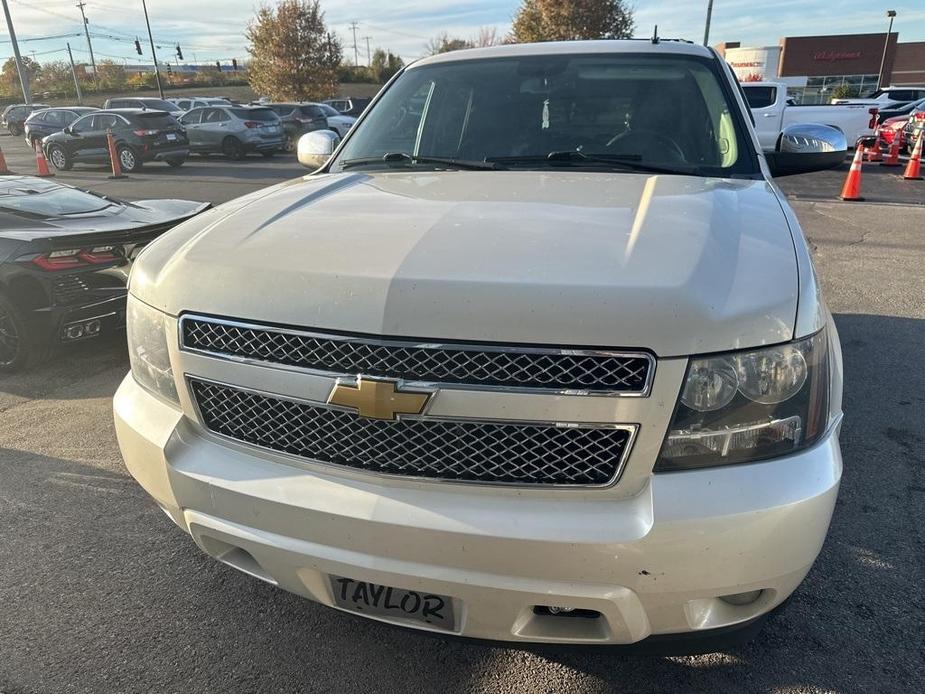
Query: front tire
x=15 y=129
x=233 y=149
x=128 y=160
x=59 y=158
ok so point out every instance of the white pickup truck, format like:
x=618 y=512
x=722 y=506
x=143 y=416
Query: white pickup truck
x=773 y=112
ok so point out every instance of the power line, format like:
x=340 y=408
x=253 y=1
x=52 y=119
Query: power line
x=43 y=38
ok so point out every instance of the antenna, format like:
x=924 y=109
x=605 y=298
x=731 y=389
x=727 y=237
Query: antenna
x=655 y=34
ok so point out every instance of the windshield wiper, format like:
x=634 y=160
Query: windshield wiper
x=405 y=159
x=631 y=162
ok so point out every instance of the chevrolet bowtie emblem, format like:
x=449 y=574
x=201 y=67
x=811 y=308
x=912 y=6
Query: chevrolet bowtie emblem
x=377 y=399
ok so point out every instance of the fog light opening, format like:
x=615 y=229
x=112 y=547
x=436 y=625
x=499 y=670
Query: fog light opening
x=740 y=599
x=560 y=611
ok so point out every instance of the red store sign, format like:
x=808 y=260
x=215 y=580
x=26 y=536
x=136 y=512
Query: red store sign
x=835 y=56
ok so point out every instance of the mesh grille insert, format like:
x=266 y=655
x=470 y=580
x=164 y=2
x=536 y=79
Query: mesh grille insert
x=476 y=365
x=471 y=451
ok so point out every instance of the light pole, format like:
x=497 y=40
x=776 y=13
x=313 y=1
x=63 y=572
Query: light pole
x=892 y=15
x=706 y=28
x=157 y=73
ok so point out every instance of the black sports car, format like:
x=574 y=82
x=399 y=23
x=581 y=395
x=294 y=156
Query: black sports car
x=65 y=255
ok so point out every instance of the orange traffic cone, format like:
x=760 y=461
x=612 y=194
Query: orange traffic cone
x=41 y=162
x=913 y=168
x=873 y=153
x=114 y=156
x=4 y=169
x=893 y=157
x=852 y=189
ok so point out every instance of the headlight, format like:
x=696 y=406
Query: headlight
x=747 y=406
x=147 y=350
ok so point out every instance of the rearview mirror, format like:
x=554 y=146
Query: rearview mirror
x=806 y=147
x=316 y=147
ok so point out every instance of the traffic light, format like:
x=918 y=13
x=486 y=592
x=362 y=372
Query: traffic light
x=218 y=66
x=169 y=69
x=138 y=46
x=179 y=53
x=234 y=64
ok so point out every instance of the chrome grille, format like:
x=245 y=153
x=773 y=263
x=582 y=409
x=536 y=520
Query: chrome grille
x=473 y=451
x=482 y=365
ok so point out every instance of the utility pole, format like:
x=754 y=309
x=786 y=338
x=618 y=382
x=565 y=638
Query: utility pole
x=81 y=6
x=80 y=98
x=706 y=29
x=157 y=73
x=23 y=77
x=356 y=54
x=369 y=56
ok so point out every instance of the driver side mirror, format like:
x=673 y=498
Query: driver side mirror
x=68 y=130
x=316 y=147
x=806 y=147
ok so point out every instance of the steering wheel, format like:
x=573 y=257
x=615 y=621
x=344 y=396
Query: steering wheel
x=642 y=139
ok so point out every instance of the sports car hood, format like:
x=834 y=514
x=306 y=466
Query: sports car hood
x=675 y=264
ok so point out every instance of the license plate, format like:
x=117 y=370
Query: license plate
x=171 y=136
x=383 y=601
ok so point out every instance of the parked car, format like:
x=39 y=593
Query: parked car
x=40 y=124
x=901 y=110
x=887 y=97
x=191 y=102
x=539 y=361
x=349 y=105
x=914 y=125
x=299 y=119
x=65 y=255
x=15 y=115
x=890 y=129
x=233 y=131
x=772 y=113
x=140 y=136
x=146 y=103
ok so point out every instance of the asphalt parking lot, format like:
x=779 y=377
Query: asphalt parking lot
x=99 y=592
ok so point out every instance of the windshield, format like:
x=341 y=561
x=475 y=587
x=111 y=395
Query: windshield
x=55 y=202
x=664 y=111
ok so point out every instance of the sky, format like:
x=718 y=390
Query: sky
x=214 y=29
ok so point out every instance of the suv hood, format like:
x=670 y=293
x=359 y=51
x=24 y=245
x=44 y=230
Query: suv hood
x=675 y=264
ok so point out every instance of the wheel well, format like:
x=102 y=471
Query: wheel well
x=231 y=138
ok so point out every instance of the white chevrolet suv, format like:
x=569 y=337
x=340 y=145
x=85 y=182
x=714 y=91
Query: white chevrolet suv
x=536 y=355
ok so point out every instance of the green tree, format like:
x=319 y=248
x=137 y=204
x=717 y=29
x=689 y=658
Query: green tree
x=293 y=55
x=565 y=20
x=844 y=91
x=110 y=76
x=384 y=65
x=9 y=77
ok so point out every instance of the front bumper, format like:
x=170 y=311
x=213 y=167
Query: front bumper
x=654 y=563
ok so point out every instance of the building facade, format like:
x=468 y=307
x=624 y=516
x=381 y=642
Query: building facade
x=814 y=66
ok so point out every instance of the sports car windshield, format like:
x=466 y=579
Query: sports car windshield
x=601 y=112
x=54 y=203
